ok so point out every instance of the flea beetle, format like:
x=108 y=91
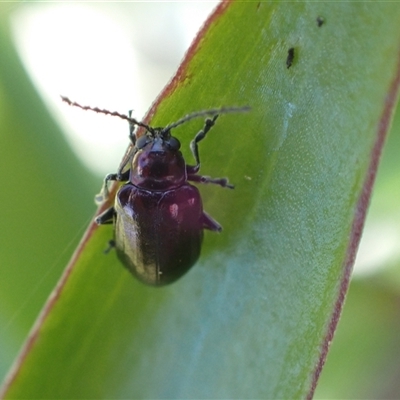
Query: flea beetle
x=158 y=215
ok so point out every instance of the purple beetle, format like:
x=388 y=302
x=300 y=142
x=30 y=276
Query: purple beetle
x=158 y=215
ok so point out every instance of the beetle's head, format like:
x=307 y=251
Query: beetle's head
x=158 y=141
x=158 y=164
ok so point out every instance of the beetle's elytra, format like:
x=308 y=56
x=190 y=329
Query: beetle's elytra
x=158 y=215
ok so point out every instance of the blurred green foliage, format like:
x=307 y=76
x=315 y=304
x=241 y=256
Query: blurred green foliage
x=46 y=197
x=363 y=360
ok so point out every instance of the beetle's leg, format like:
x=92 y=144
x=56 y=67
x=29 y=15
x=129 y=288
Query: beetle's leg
x=111 y=245
x=106 y=217
x=119 y=176
x=209 y=123
x=123 y=170
x=210 y=223
x=207 y=179
x=101 y=197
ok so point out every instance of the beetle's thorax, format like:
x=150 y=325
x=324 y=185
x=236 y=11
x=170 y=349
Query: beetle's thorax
x=158 y=167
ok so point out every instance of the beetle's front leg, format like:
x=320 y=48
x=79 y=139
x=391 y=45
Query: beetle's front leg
x=101 y=197
x=209 y=123
x=207 y=179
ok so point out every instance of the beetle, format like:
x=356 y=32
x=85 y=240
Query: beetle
x=158 y=215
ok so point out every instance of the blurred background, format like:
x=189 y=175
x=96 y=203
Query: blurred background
x=53 y=157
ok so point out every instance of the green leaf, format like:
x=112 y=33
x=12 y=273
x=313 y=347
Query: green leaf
x=254 y=317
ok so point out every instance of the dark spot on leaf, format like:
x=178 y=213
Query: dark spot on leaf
x=290 y=57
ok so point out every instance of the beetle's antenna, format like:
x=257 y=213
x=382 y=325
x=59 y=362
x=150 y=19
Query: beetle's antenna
x=112 y=113
x=213 y=111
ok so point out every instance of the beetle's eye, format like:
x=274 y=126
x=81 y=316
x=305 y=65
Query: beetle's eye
x=173 y=143
x=141 y=142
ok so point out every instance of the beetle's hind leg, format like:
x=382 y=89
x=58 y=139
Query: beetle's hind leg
x=210 y=223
